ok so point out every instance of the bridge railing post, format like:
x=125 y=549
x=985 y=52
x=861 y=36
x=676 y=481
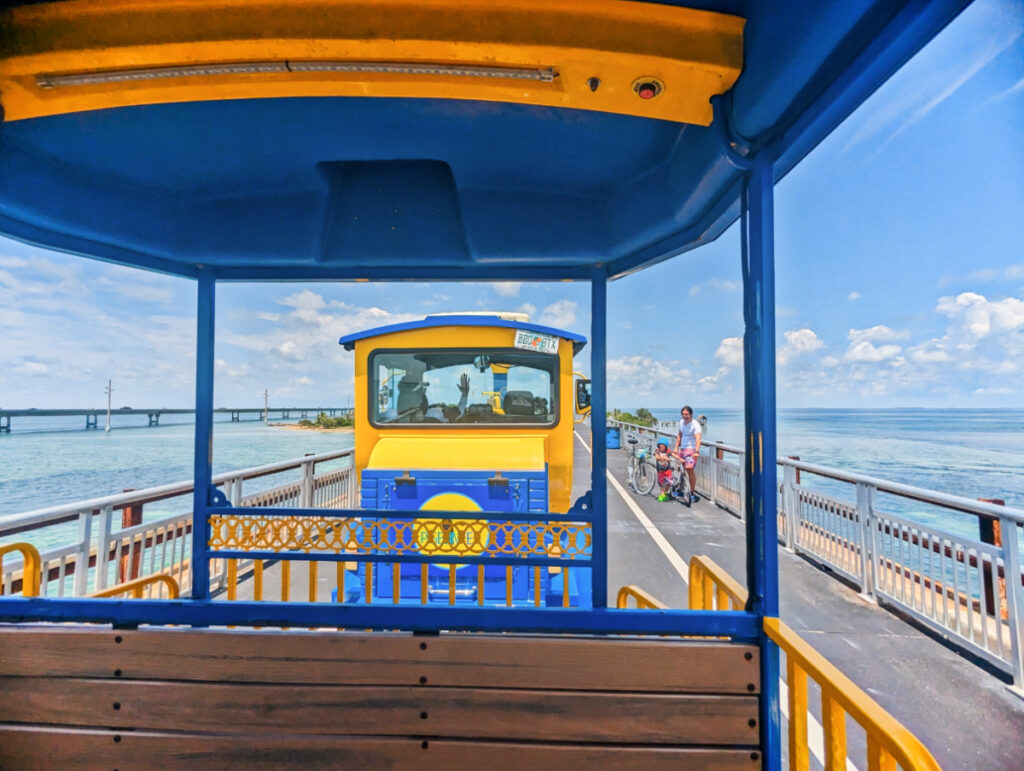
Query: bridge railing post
x=82 y=556
x=103 y=548
x=865 y=521
x=306 y=492
x=791 y=507
x=1014 y=599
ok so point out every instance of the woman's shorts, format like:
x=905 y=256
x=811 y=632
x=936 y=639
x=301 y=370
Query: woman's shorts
x=688 y=457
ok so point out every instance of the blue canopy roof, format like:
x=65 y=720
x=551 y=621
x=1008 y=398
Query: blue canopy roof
x=351 y=187
x=468 y=320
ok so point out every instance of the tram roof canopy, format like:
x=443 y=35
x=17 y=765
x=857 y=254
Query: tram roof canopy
x=291 y=139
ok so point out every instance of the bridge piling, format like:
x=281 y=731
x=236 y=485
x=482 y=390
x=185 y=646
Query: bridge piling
x=90 y=421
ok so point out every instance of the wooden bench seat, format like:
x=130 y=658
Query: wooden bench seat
x=95 y=697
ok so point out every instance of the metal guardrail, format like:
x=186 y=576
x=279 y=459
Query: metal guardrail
x=966 y=590
x=888 y=741
x=161 y=547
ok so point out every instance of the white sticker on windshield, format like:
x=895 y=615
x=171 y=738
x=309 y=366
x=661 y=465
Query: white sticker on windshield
x=533 y=341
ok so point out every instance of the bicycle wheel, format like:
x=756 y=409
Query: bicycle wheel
x=644 y=477
x=682 y=490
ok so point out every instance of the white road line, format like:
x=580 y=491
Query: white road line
x=815 y=732
x=666 y=548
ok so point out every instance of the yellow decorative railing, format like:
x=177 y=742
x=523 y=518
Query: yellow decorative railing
x=250 y=530
x=889 y=743
x=31 y=576
x=138 y=586
x=711 y=588
x=643 y=600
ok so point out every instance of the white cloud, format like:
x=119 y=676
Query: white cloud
x=304 y=300
x=643 y=376
x=30 y=368
x=980 y=316
x=507 y=288
x=865 y=351
x=730 y=352
x=302 y=381
x=876 y=334
x=529 y=309
x=853 y=296
x=561 y=314
x=798 y=342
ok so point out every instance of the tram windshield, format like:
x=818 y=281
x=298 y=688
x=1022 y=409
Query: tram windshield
x=463 y=386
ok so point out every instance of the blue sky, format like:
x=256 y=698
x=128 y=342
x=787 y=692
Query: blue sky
x=900 y=280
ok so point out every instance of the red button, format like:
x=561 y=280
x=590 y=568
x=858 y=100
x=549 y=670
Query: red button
x=647 y=91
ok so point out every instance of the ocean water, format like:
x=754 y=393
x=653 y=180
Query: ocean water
x=975 y=453
x=42 y=469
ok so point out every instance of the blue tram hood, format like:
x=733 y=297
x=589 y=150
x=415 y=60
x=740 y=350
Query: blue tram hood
x=468 y=320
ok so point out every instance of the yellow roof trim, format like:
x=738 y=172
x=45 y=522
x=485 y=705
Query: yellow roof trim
x=591 y=55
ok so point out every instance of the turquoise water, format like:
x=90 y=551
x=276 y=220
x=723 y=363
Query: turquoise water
x=975 y=453
x=38 y=470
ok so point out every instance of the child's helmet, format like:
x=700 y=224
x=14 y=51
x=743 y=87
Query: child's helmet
x=662 y=446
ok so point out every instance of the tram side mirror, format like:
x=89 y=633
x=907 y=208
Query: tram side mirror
x=582 y=397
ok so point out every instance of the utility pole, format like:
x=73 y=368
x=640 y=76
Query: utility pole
x=110 y=392
x=266 y=409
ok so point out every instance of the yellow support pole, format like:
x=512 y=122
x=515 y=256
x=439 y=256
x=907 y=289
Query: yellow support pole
x=536 y=586
x=508 y=585
x=799 y=756
x=565 y=588
x=479 y=584
x=423 y=584
x=369 y=583
x=312 y=580
x=451 y=584
x=340 y=577
x=232 y=579
x=396 y=582
x=31 y=572
x=286 y=579
x=257 y=580
x=833 y=720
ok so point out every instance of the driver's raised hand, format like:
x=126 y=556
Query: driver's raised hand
x=464 y=384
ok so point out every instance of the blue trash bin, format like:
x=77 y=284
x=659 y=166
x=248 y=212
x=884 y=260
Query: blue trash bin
x=613 y=437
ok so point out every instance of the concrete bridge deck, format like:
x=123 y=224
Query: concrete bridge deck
x=964 y=715
x=967 y=717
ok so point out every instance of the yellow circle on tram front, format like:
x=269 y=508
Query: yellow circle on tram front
x=451 y=536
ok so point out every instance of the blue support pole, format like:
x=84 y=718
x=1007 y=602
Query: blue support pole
x=598 y=413
x=203 y=467
x=758 y=258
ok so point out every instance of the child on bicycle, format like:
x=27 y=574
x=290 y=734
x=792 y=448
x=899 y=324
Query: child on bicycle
x=663 y=463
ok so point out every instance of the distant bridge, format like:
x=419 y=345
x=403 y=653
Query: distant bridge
x=92 y=416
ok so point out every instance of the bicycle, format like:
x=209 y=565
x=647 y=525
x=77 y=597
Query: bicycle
x=640 y=473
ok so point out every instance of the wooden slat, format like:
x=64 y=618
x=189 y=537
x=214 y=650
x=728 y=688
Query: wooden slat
x=466 y=660
x=463 y=713
x=27 y=748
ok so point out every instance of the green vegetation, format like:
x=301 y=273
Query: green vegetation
x=323 y=421
x=643 y=417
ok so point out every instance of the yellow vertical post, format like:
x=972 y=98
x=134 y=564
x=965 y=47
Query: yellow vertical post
x=340 y=578
x=833 y=719
x=232 y=579
x=565 y=587
x=369 y=583
x=257 y=580
x=423 y=584
x=706 y=592
x=396 y=582
x=536 y=586
x=286 y=579
x=796 y=678
x=508 y=585
x=479 y=584
x=878 y=758
x=721 y=598
x=312 y=580
x=451 y=584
